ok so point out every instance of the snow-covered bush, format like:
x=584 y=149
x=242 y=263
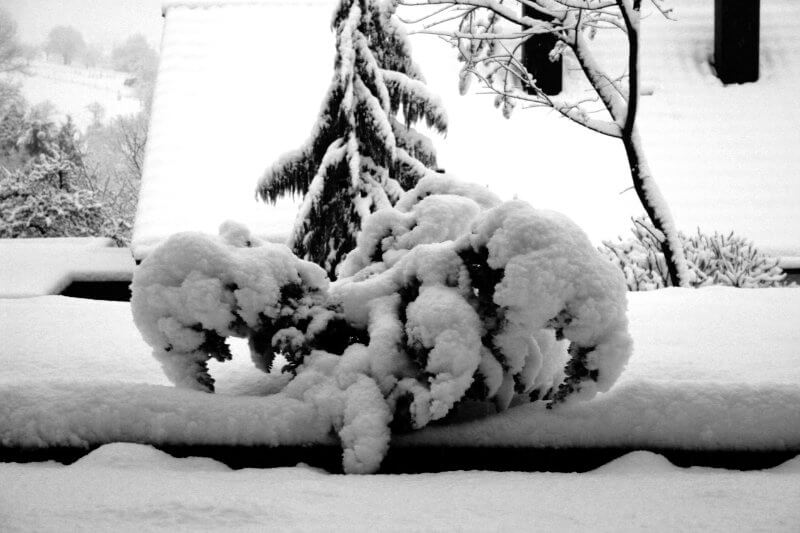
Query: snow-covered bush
x=39 y=201
x=450 y=295
x=716 y=259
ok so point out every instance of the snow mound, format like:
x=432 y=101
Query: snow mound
x=136 y=456
x=792 y=466
x=451 y=296
x=637 y=463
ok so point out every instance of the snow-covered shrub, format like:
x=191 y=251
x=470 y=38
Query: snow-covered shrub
x=39 y=201
x=450 y=295
x=49 y=185
x=716 y=259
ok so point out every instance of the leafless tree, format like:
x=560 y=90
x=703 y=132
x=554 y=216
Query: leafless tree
x=65 y=41
x=488 y=35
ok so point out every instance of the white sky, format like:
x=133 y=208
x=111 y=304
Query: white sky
x=104 y=22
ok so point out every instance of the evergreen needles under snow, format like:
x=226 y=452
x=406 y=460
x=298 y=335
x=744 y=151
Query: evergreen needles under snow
x=360 y=156
x=716 y=259
x=451 y=295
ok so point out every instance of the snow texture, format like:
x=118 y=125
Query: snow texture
x=714 y=369
x=154 y=491
x=453 y=302
x=35 y=267
x=724 y=156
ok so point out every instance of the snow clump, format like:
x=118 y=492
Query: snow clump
x=451 y=295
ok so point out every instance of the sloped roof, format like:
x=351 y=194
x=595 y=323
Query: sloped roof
x=241 y=82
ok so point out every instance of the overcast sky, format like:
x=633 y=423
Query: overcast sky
x=103 y=22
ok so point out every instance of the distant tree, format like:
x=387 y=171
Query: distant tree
x=10 y=97
x=66 y=42
x=92 y=55
x=360 y=156
x=12 y=53
x=49 y=184
x=98 y=113
x=113 y=159
x=13 y=109
x=41 y=202
x=38 y=136
x=135 y=56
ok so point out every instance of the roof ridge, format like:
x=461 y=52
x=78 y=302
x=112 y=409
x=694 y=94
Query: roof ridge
x=169 y=4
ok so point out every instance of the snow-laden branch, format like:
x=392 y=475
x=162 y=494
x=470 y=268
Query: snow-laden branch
x=488 y=50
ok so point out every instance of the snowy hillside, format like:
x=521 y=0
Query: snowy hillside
x=72 y=88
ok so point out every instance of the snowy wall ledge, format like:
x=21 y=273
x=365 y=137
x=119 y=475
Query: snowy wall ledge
x=634 y=415
x=642 y=415
x=713 y=369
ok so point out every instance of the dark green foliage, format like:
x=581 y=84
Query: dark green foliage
x=576 y=372
x=359 y=156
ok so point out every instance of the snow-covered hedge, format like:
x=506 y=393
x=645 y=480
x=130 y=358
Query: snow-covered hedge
x=450 y=295
x=716 y=259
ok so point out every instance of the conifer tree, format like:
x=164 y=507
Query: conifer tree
x=363 y=151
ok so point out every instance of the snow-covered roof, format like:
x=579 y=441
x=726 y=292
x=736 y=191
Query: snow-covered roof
x=36 y=267
x=241 y=82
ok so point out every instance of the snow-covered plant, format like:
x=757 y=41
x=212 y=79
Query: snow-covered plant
x=489 y=34
x=717 y=259
x=363 y=152
x=47 y=198
x=33 y=205
x=53 y=182
x=449 y=296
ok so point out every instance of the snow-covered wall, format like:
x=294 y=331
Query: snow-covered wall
x=241 y=82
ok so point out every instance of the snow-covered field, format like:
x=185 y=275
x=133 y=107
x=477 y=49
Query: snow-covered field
x=71 y=89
